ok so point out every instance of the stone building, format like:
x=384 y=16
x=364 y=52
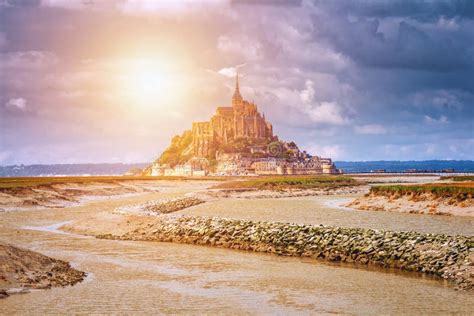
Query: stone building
x=234 y=164
x=211 y=147
x=242 y=119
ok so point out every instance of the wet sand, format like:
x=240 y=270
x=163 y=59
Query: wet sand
x=147 y=277
x=58 y=195
x=151 y=277
x=330 y=210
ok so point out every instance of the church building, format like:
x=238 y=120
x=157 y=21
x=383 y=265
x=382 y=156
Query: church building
x=242 y=119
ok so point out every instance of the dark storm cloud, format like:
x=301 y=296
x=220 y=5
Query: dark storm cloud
x=409 y=47
x=417 y=9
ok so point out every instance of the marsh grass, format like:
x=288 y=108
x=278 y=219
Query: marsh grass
x=276 y=183
x=25 y=182
x=460 y=191
x=458 y=178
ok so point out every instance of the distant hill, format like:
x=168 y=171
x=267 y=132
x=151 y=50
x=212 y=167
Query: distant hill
x=399 y=166
x=93 y=169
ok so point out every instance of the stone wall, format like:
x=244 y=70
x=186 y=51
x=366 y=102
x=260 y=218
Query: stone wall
x=450 y=257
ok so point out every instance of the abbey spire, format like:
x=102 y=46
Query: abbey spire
x=236 y=98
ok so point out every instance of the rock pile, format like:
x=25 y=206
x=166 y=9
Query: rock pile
x=172 y=205
x=450 y=257
x=163 y=206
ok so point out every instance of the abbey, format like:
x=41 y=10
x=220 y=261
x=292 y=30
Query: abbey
x=237 y=140
x=242 y=119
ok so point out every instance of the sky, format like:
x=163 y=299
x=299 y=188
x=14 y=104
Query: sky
x=113 y=81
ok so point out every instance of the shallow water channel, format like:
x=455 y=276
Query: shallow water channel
x=148 y=277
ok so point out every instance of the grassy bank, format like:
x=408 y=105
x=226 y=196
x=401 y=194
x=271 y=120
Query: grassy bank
x=23 y=182
x=458 y=178
x=460 y=191
x=276 y=183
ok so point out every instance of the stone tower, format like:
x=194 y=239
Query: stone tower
x=242 y=119
x=237 y=99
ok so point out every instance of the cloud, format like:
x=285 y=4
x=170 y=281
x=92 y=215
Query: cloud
x=327 y=112
x=417 y=9
x=446 y=99
x=138 y=6
x=441 y=120
x=170 y=7
x=448 y=24
x=28 y=60
x=229 y=71
x=3 y=40
x=321 y=112
x=327 y=151
x=67 y=4
x=440 y=99
x=77 y=5
x=307 y=94
x=16 y=104
x=5 y=155
x=20 y=3
x=363 y=41
x=394 y=68
x=371 y=129
x=247 y=48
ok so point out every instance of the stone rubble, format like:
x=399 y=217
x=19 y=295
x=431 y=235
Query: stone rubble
x=163 y=206
x=449 y=257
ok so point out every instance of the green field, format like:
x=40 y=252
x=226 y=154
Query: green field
x=276 y=183
x=23 y=182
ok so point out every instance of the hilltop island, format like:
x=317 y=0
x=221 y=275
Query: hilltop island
x=237 y=140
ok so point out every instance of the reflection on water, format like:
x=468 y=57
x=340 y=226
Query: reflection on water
x=147 y=277
x=53 y=228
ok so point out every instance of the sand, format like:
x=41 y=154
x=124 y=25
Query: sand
x=73 y=194
x=144 y=277
x=22 y=270
x=405 y=204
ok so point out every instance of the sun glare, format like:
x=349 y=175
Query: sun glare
x=147 y=82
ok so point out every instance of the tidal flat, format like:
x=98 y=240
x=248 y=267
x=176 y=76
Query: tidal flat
x=149 y=277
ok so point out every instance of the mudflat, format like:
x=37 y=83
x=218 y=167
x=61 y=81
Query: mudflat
x=55 y=192
x=22 y=270
x=174 y=278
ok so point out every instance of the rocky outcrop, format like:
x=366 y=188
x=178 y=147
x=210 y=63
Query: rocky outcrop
x=21 y=270
x=450 y=257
